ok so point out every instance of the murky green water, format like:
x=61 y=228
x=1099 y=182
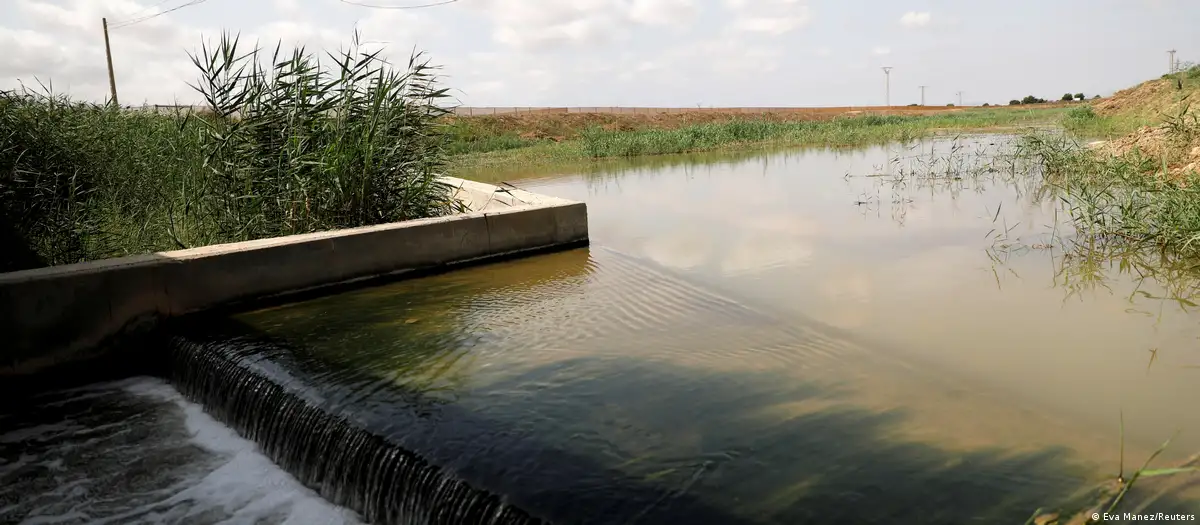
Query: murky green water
x=788 y=338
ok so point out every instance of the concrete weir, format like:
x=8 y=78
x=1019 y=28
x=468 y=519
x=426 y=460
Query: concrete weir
x=62 y=314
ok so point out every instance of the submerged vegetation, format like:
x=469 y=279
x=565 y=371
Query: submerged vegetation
x=288 y=144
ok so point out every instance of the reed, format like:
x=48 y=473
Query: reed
x=289 y=143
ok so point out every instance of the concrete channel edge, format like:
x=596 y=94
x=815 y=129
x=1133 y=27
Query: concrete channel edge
x=60 y=314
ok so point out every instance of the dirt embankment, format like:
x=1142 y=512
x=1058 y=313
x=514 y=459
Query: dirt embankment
x=1174 y=138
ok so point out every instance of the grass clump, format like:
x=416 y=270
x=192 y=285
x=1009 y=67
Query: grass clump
x=287 y=145
x=1131 y=200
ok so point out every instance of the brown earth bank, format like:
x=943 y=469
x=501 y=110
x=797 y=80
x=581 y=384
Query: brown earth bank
x=1174 y=137
x=559 y=125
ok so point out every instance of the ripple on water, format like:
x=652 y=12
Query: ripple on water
x=593 y=387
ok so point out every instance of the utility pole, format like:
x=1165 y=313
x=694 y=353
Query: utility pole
x=887 y=73
x=922 y=94
x=112 y=80
x=1171 y=59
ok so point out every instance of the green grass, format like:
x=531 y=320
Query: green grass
x=1083 y=121
x=746 y=134
x=289 y=146
x=1127 y=202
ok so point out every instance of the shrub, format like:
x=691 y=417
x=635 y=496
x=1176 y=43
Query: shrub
x=1014 y=102
x=1068 y=97
x=1081 y=113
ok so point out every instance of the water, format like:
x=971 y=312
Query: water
x=135 y=451
x=772 y=339
x=763 y=338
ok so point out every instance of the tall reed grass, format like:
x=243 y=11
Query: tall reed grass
x=289 y=143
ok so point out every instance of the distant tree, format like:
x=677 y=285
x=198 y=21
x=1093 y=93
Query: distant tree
x=913 y=105
x=985 y=104
x=1094 y=97
x=1068 y=97
x=1079 y=96
x=1030 y=99
x=1014 y=102
x=950 y=105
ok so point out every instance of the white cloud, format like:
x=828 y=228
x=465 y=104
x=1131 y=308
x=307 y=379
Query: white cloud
x=587 y=52
x=915 y=19
x=533 y=26
x=662 y=12
x=772 y=17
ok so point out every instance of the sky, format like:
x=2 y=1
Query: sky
x=673 y=53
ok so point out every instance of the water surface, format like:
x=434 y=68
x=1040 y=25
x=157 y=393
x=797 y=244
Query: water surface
x=788 y=337
x=134 y=451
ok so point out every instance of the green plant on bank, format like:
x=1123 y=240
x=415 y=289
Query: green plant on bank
x=751 y=133
x=1131 y=200
x=1083 y=121
x=288 y=146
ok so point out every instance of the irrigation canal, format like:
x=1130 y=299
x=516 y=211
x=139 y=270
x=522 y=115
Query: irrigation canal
x=867 y=336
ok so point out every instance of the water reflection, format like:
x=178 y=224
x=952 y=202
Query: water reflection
x=945 y=249
x=794 y=333
x=597 y=389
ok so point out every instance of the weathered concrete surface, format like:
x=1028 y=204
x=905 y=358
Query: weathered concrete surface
x=63 y=313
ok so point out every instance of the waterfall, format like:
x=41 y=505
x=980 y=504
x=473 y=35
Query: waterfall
x=238 y=384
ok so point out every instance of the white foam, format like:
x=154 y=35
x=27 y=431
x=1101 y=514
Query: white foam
x=247 y=486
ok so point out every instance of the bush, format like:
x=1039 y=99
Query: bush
x=1014 y=102
x=1079 y=96
x=985 y=104
x=1080 y=114
x=1030 y=99
x=1068 y=97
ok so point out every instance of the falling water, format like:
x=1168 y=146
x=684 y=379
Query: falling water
x=243 y=383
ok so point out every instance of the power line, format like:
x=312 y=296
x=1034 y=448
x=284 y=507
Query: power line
x=418 y=6
x=141 y=11
x=139 y=20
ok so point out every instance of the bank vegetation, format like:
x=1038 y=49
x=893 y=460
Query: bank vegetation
x=287 y=144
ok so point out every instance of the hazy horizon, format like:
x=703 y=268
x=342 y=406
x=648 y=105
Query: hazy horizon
x=658 y=53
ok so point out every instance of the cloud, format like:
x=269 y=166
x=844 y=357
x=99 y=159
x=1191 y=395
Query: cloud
x=538 y=26
x=915 y=19
x=772 y=17
x=662 y=12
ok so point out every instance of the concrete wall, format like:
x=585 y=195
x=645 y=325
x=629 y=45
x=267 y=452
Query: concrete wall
x=63 y=313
